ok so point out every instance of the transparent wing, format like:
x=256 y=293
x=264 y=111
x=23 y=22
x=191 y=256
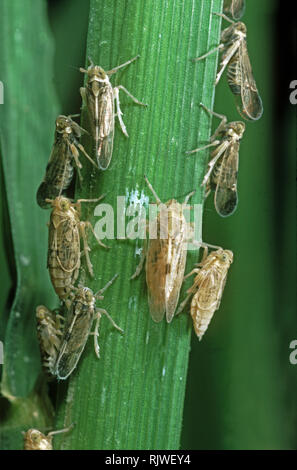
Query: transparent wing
x=234 y=8
x=175 y=272
x=156 y=270
x=64 y=245
x=106 y=119
x=77 y=331
x=210 y=290
x=58 y=174
x=226 y=198
x=101 y=115
x=250 y=105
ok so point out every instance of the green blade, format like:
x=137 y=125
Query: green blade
x=132 y=398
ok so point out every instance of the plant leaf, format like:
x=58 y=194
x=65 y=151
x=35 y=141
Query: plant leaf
x=26 y=135
x=132 y=398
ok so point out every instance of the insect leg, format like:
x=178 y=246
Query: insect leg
x=121 y=87
x=229 y=54
x=104 y=312
x=88 y=224
x=96 y=334
x=75 y=155
x=183 y=304
x=100 y=292
x=89 y=200
x=194 y=271
x=219 y=47
x=220 y=116
x=152 y=190
x=207 y=189
x=81 y=148
x=141 y=263
x=115 y=69
x=212 y=144
x=119 y=112
x=222 y=15
x=82 y=91
x=220 y=150
x=77 y=204
x=188 y=196
x=99 y=312
x=86 y=247
x=52 y=433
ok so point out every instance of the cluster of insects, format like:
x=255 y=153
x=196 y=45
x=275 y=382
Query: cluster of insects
x=166 y=257
x=64 y=331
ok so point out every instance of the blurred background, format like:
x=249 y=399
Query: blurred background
x=241 y=370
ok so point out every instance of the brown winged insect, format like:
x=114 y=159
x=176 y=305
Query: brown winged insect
x=64 y=254
x=234 y=54
x=223 y=165
x=49 y=330
x=80 y=317
x=64 y=155
x=36 y=440
x=166 y=257
x=234 y=8
x=208 y=287
x=99 y=96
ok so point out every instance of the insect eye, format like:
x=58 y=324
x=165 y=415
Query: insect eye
x=88 y=296
x=242 y=27
x=64 y=204
x=41 y=314
x=60 y=124
x=35 y=436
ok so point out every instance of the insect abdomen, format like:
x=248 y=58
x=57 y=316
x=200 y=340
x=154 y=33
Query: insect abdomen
x=201 y=318
x=61 y=279
x=234 y=75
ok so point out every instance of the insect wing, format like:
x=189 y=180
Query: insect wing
x=210 y=289
x=234 y=8
x=207 y=299
x=49 y=330
x=250 y=104
x=176 y=263
x=77 y=330
x=156 y=269
x=49 y=335
x=101 y=115
x=106 y=129
x=58 y=173
x=226 y=198
x=64 y=244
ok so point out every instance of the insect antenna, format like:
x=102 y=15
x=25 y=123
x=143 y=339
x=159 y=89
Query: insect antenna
x=115 y=69
x=152 y=190
x=224 y=16
x=98 y=294
x=52 y=433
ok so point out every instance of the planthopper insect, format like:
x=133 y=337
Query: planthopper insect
x=165 y=257
x=234 y=54
x=64 y=155
x=208 y=287
x=234 y=8
x=65 y=231
x=223 y=165
x=36 y=440
x=99 y=96
x=82 y=313
x=49 y=330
